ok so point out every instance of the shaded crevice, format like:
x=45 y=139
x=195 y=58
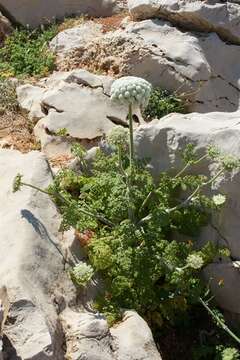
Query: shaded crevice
x=9 y=16
x=9 y=351
x=46 y=108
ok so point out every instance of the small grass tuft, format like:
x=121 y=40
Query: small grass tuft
x=161 y=103
x=26 y=53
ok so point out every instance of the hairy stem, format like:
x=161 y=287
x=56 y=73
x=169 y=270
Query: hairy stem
x=145 y=202
x=190 y=197
x=120 y=164
x=219 y=321
x=196 y=191
x=131 y=144
x=60 y=197
x=131 y=159
x=189 y=164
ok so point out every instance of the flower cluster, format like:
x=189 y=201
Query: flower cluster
x=17 y=183
x=131 y=90
x=195 y=261
x=118 y=136
x=82 y=273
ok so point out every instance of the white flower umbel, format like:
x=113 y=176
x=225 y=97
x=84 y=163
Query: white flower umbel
x=195 y=261
x=131 y=90
x=118 y=136
x=81 y=273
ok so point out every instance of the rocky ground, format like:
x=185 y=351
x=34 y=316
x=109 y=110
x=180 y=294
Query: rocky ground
x=191 y=48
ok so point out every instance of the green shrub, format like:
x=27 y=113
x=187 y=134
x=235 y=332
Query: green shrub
x=162 y=103
x=133 y=222
x=219 y=352
x=26 y=53
x=129 y=224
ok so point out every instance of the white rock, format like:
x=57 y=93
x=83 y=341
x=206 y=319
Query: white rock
x=134 y=339
x=29 y=98
x=30 y=263
x=71 y=39
x=162 y=142
x=36 y=12
x=188 y=63
x=207 y=16
x=88 y=337
x=78 y=101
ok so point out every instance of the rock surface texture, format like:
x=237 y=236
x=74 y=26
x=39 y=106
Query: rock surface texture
x=77 y=101
x=207 y=16
x=36 y=12
x=30 y=263
x=162 y=142
x=45 y=320
x=130 y=340
x=200 y=66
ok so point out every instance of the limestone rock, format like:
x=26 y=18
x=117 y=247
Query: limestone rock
x=190 y=64
x=88 y=337
x=37 y=12
x=207 y=16
x=28 y=228
x=162 y=142
x=134 y=339
x=73 y=38
x=77 y=101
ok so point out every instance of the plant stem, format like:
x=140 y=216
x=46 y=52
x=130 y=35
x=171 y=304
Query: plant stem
x=60 y=197
x=131 y=159
x=131 y=144
x=190 y=197
x=195 y=192
x=145 y=202
x=219 y=321
x=190 y=164
x=120 y=164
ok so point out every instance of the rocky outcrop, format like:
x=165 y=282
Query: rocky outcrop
x=77 y=101
x=5 y=27
x=88 y=336
x=30 y=261
x=74 y=38
x=162 y=142
x=207 y=16
x=36 y=12
x=190 y=64
x=42 y=316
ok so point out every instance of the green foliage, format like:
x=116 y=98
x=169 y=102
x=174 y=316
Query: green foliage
x=81 y=274
x=143 y=264
x=219 y=352
x=26 y=53
x=62 y=132
x=227 y=353
x=161 y=103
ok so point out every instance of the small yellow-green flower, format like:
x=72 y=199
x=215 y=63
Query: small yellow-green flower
x=118 y=136
x=195 y=261
x=81 y=274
